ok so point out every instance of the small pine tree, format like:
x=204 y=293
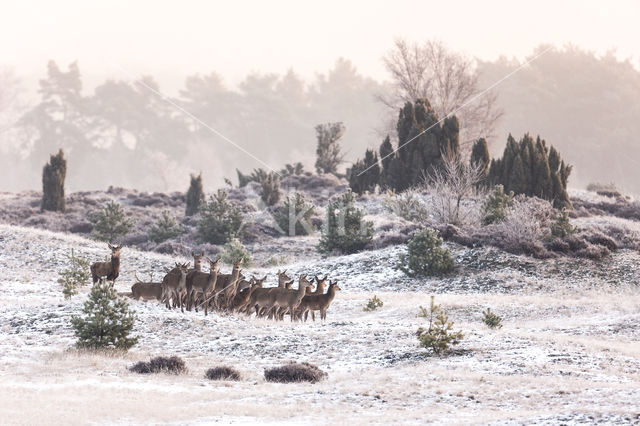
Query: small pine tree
x=220 y=220
x=491 y=320
x=195 y=195
x=294 y=217
x=495 y=206
x=76 y=275
x=373 y=304
x=165 y=228
x=439 y=337
x=106 y=321
x=53 y=176
x=345 y=229
x=234 y=250
x=562 y=226
x=426 y=256
x=111 y=223
x=271 y=189
x=328 y=155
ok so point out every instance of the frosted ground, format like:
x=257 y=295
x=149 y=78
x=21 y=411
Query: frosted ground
x=569 y=350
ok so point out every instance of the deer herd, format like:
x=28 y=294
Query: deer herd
x=191 y=288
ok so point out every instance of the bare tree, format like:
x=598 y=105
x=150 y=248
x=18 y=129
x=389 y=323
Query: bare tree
x=450 y=185
x=448 y=80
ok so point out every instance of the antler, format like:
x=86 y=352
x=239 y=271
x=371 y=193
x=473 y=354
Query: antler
x=135 y=273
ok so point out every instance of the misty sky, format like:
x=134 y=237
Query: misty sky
x=174 y=39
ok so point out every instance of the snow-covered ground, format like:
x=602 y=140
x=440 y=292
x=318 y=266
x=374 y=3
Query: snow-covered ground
x=569 y=351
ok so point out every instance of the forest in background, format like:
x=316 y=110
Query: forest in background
x=123 y=133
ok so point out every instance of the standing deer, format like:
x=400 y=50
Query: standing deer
x=174 y=284
x=197 y=267
x=110 y=269
x=241 y=301
x=203 y=283
x=318 y=302
x=146 y=290
x=227 y=284
x=321 y=284
x=282 y=300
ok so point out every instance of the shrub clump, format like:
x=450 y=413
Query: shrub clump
x=165 y=228
x=495 y=207
x=160 y=364
x=345 y=229
x=222 y=373
x=491 y=320
x=373 y=304
x=234 y=250
x=220 y=220
x=295 y=372
x=426 y=256
x=439 y=337
x=195 y=195
x=107 y=320
x=76 y=275
x=294 y=217
x=111 y=223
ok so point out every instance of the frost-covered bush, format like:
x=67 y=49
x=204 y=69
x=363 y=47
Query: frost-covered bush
x=165 y=228
x=295 y=372
x=222 y=373
x=409 y=205
x=294 y=216
x=495 y=206
x=426 y=256
x=106 y=321
x=111 y=222
x=491 y=320
x=373 y=304
x=562 y=226
x=345 y=229
x=439 y=336
x=234 y=250
x=76 y=275
x=220 y=220
x=160 y=364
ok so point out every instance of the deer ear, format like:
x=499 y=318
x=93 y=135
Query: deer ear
x=325 y=277
x=193 y=254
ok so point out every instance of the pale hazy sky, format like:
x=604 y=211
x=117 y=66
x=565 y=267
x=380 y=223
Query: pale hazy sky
x=172 y=39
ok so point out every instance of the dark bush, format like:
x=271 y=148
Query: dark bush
x=593 y=252
x=298 y=210
x=195 y=195
x=160 y=364
x=426 y=256
x=53 y=175
x=270 y=193
x=295 y=372
x=81 y=228
x=598 y=238
x=222 y=373
x=345 y=229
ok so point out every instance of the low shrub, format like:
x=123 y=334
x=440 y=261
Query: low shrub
x=294 y=216
x=160 y=364
x=111 y=222
x=495 y=206
x=76 y=275
x=373 y=304
x=409 y=205
x=165 y=228
x=345 y=229
x=562 y=226
x=491 y=320
x=234 y=250
x=220 y=220
x=295 y=372
x=439 y=337
x=426 y=256
x=222 y=373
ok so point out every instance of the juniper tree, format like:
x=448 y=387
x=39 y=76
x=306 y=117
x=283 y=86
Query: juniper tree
x=328 y=151
x=53 y=175
x=195 y=195
x=365 y=174
x=480 y=156
x=106 y=322
x=270 y=194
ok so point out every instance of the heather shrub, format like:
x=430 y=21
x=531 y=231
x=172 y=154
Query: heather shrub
x=106 y=321
x=165 y=228
x=373 y=304
x=295 y=372
x=345 y=229
x=111 y=222
x=495 y=206
x=426 y=256
x=439 y=336
x=195 y=195
x=160 y=364
x=222 y=373
x=294 y=216
x=220 y=220
x=234 y=250
x=76 y=275
x=491 y=320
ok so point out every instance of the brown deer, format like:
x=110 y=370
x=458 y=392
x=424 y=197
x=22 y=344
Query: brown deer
x=226 y=286
x=110 y=269
x=283 y=278
x=146 y=290
x=197 y=267
x=280 y=300
x=321 y=284
x=174 y=284
x=203 y=283
x=241 y=301
x=318 y=302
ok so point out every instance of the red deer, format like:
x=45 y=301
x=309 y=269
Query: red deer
x=173 y=284
x=203 y=283
x=146 y=290
x=110 y=269
x=318 y=302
